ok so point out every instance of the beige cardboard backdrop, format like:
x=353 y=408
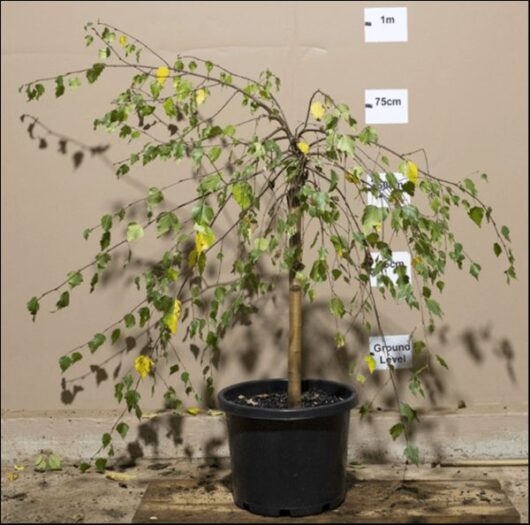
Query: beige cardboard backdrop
x=465 y=66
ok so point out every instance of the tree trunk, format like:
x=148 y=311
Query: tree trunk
x=295 y=309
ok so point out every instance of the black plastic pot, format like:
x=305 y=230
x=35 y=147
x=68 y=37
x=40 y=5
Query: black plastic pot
x=288 y=461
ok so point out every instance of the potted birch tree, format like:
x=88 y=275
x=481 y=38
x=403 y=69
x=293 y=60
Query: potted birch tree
x=301 y=196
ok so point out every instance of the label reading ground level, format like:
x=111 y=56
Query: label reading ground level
x=393 y=349
x=385 y=24
x=398 y=259
x=386 y=106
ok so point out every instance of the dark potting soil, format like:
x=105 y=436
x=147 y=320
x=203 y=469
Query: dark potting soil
x=312 y=398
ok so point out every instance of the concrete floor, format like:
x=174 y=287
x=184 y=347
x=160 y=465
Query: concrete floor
x=70 y=497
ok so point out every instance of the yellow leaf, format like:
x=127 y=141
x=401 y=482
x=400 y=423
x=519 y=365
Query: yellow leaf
x=415 y=261
x=193 y=411
x=370 y=361
x=161 y=74
x=172 y=318
x=203 y=241
x=303 y=147
x=361 y=379
x=12 y=476
x=215 y=412
x=143 y=365
x=123 y=40
x=317 y=110
x=119 y=476
x=200 y=96
x=18 y=467
x=412 y=172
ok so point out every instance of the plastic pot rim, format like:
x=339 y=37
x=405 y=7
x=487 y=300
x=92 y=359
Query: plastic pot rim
x=286 y=414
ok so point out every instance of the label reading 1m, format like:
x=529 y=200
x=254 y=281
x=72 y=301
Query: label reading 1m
x=386 y=106
x=393 y=349
x=398 y=259
x=385 y=190
x=385 y=24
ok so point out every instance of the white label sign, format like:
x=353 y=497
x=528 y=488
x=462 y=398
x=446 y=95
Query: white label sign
x=393 y=349
x=398 y=259
x=386 y=190
x=386 y=106
x=385 y=24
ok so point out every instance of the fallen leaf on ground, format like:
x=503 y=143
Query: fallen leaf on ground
x=119 y=476
x=18 y=467
x=12 y=476
x=215 y=413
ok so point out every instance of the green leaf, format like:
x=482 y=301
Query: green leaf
x=106 y=222
x=64 y=300
x=229 y=130
x=407 y=411
x=470 y=186
x=433 y=307
x=242 y=193
x=368 y=136
x=76 y=356
x=93 y=73
x=134 y=232
x=346 y=143
x=497 y=249
x=96 y=342
x=74 y=82
x=75 y=279
x=474 y=270
x=210 y=183
x=86 y=233
x=169 y=107
x=144 y=314
x=40 y=463
x=215 y=153
x=476 y=215
x=506 y=233
x=65 y=362
x=122 y=429
x=337 y=307
x=33 y=306
x=202 y=214
x=418 y=346
x=83 y=467
x=372 y=216
x=132 y=397
x=396 y=430
x=154 y=197
x=167 y=221
x=129 y=320
x=442 y=362
x=412 y=454
x=106 y=439
x=319 y=271
x=116 y=333
x=59 y=86
x=54 y=462
x=101 y=463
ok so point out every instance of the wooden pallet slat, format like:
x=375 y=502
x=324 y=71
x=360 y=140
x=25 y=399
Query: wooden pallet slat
x=371 y=501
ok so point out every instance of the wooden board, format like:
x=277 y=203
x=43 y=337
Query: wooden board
x=381 y=501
